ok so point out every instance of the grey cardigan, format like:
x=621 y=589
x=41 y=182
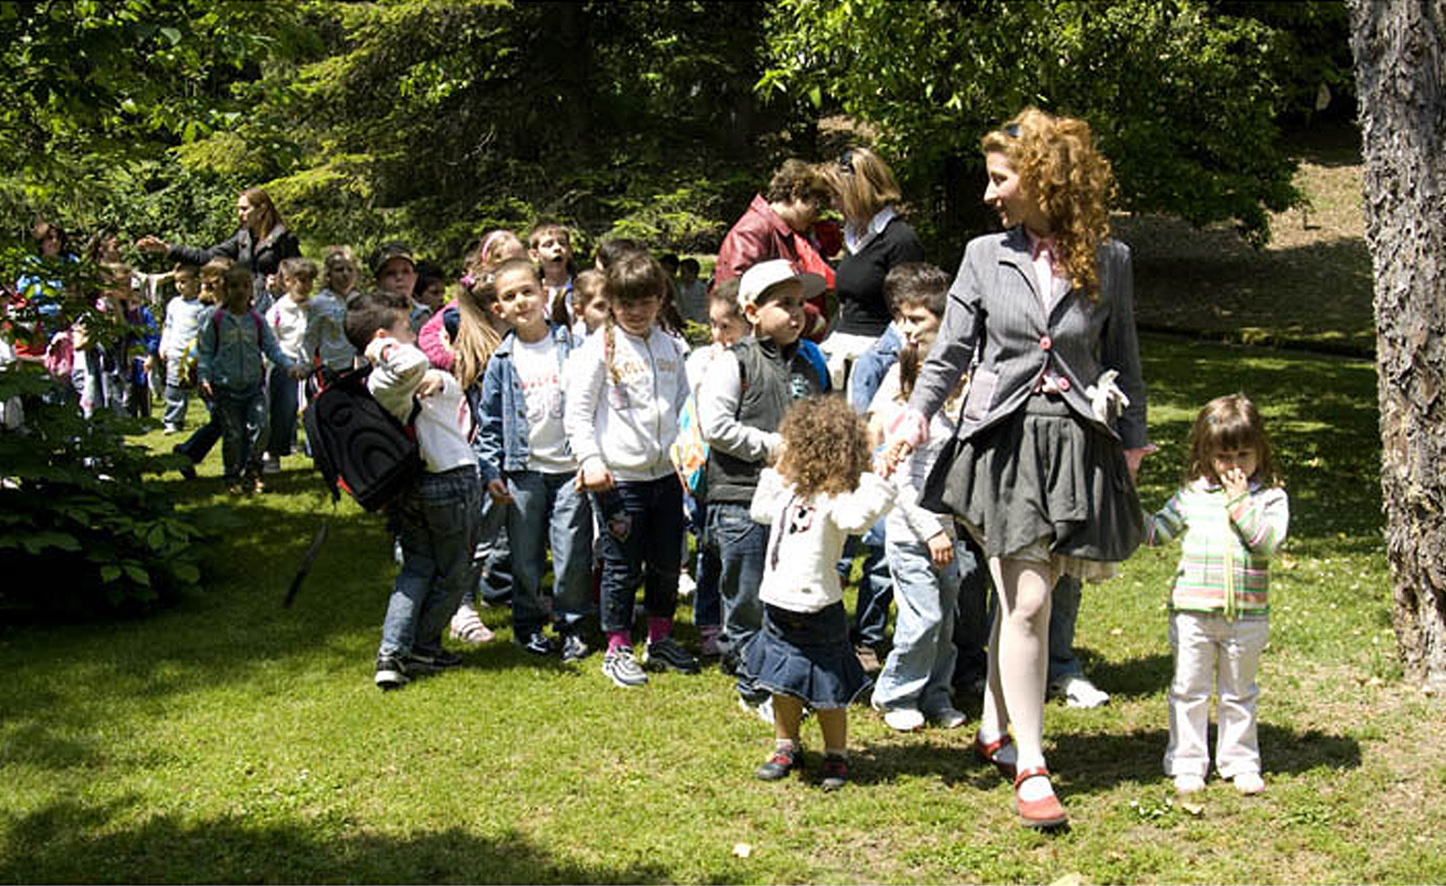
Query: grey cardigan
x=994 y=307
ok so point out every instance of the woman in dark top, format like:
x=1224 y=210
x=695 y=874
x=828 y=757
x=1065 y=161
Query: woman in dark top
x=259 y=245
x=877 y=240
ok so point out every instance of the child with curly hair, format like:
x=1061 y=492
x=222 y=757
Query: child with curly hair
x=818 y=494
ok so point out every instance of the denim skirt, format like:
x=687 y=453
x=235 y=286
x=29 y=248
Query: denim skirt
x=806 y=655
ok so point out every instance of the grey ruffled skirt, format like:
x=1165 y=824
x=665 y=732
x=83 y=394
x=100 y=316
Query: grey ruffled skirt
x=1042 y=475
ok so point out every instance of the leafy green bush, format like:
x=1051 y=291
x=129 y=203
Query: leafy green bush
x=82 y=529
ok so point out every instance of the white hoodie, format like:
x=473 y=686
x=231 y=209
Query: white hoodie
x=626 y=418
x=444 y=422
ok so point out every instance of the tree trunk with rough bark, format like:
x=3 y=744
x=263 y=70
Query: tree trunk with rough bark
x=1400 y=63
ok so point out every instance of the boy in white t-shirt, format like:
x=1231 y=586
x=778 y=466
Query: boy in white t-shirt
x=524 y=451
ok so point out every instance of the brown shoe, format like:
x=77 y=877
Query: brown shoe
x=989 y=753
x=1046 y=812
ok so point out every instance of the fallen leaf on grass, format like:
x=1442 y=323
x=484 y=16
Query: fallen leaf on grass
x=1072 y=878
x=1193 y=807
x=742 y=850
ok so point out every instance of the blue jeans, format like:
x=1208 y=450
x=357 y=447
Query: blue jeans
x=642 y=524
x=548 y=511
x=920 y=667
x=707 y=601
x=437 y=522
x=741 y=545
x=177 y=393
x=975 y=616
x=281 y=394
x=876 y=589
x=242 y=415
x=1063 y=613
x=197 y=446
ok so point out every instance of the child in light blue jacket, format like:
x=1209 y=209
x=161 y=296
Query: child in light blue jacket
x=230 y=370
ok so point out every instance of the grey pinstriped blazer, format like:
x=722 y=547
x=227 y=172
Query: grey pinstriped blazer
x=994 y=305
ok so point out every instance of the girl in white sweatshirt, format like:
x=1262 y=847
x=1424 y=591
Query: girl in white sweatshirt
x=626 y=386
x=817 y=496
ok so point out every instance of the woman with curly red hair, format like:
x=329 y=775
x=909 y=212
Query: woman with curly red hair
x=1041 y=468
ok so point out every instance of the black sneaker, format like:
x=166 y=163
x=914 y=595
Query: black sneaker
x=391 y=672
x=536 y=643
x=429 y=662
x=574 y=648
x=666 y=653
x=835 y=773
x=783 y=761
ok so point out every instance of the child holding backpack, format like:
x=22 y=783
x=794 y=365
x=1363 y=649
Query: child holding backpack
x=437 y=515
x=229 y=367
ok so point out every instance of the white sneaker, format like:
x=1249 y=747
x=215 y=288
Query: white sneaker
x=686 y=586
x=1079 y=692
x=904 y=719
x=1189 y=784
x=1249 y=783
x=270 y=464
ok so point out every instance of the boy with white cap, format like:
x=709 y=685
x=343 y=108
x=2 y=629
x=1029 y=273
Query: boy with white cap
x=740 y=403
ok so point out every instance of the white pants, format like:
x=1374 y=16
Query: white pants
x=1208 y=648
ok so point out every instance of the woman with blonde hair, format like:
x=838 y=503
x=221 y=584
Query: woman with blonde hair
x=1041 y=467
x=877 y=240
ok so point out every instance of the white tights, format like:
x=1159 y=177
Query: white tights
x=1019 y=656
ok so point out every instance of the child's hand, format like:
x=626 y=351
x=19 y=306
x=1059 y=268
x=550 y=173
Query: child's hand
x=498 y=490
x=594 y=479
x=432 y=384
x=941 y=549
x=206 y=390
x=1235 y=482
x=1133 y=457
x=892 y=456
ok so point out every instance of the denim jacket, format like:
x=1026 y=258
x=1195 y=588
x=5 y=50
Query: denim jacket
x=502 y=440
x=229 y=348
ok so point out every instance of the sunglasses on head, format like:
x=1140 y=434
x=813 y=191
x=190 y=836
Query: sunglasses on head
x=846 y=162
x=1011 y=130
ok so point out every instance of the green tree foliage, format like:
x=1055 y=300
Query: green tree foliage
x=431 y=120
x=1183 y=95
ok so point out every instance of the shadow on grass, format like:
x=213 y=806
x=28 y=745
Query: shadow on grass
x=67 y=842
x=1091 y=762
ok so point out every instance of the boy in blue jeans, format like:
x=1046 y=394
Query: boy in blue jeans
x=437 y=518
x=741 y=402
x=524 y=451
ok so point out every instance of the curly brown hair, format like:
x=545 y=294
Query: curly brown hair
x=1229 y=423
x=825 y=446
x=1060 y=166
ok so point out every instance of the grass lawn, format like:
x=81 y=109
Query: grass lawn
x=227 y=739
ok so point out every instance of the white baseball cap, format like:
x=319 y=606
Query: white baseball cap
x=765 y=275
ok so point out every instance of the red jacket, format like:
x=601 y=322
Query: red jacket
x=760 y=235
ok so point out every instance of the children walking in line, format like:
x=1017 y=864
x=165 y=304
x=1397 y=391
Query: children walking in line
x=524 y=453
x=1233 y=515
x=628 y=383
x=212 y=283
x=184 y=314
x=290 y=320
x=437 y=519
x=229 y=351
x=741 y=401
x=926 y=559
x=819 y=493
